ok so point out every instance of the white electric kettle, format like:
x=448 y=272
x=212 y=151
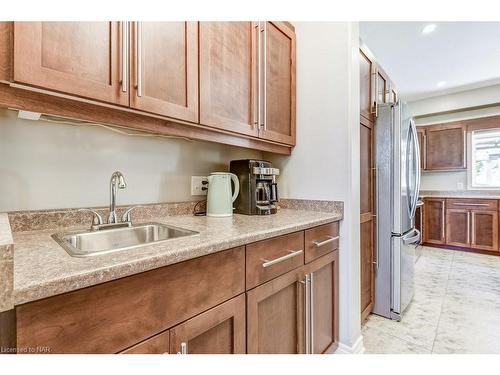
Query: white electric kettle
x=219 y=197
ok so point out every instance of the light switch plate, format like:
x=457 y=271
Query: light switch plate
x=197 y=184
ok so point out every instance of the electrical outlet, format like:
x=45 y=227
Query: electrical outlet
x=460 y=185
x=197 y=184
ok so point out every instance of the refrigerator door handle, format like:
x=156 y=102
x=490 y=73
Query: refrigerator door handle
x=413 y=239
x=416 y=160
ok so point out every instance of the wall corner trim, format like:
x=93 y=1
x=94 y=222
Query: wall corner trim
x=357 y=348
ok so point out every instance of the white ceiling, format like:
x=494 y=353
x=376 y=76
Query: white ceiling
x=463 y=54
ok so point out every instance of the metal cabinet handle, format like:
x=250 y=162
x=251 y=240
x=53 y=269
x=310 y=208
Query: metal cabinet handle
x=124 y=56
x=292 y=254
x=442 y=221
x=256 y=120
x=325 y=242
x=306 y=314
x=264 y=96
x=311 y=313
x=138 y=43
x=472 y=204
x=184 y=348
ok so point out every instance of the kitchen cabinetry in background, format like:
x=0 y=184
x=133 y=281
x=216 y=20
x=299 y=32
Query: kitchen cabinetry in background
x=86 y=59
x=443 y=146
x=150 y=76
x=434 y=220
x=421 y=146
x=164 y=68
x=464 y=223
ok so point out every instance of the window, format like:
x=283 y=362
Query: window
x=485 y=159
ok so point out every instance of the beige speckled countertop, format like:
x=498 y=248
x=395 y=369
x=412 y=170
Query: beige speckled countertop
x=42 y=268
x=6 y=264
x=465 y=194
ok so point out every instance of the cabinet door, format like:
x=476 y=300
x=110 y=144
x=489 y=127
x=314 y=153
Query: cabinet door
x=434 y=221
x=381 y=88
x=458 y=227
x=445 y=147
x=228 y=78
x=77 y=58
x=278 y=83
x=419 y=221
x=324 y=302
x=484 y=230
x=275 y=316
x=164 y=69
x=220 y=330
x=365 y=86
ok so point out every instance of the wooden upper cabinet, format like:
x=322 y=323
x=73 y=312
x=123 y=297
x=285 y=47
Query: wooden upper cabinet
x=382 y=85
x=77 y=58
x=445 y=146
x=278 y=73
x=365 y=85
x=228 y=79
x=220 y=330
x=164 y=69
x=275 y=316
x=421 y=146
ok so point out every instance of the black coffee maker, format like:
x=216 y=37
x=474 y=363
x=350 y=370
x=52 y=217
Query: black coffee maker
x=258 y=188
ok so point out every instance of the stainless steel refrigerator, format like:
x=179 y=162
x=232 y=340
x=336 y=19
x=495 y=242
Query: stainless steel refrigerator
x=397 y=187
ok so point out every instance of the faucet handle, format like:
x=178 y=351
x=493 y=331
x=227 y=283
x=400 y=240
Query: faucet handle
x=96 y=219
x=126 y=218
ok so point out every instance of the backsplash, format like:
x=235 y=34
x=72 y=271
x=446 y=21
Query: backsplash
x=52 y=166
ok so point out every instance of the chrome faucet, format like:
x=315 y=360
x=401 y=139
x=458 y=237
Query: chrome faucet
x=117 y=182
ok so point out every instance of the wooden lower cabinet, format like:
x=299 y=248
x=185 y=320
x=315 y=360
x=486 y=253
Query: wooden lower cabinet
x=200 y=306
x=325 y=293
x=484 y=230
x=434 y=220
x=220 y=330
x=458 y=227
x=275 y=316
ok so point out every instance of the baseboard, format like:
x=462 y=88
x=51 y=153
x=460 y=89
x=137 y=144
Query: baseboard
x=356 y=348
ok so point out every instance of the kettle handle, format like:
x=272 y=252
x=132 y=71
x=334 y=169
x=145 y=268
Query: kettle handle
x=236 y=182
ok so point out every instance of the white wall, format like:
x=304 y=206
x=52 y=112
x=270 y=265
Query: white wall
x=325 y=162
x=451 y=180
x=45 y=165
x=470 y=98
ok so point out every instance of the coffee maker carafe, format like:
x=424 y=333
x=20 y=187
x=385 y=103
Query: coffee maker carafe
x=258 y=187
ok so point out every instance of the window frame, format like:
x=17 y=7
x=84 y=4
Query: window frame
x=470 y=157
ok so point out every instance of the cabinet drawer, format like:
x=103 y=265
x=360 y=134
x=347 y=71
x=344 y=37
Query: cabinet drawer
x=110 y=317
x=158 y=344
x=473 y=204
x=268 y=259
x=321 y=240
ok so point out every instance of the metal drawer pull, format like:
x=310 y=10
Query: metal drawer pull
x=325 y=242
x=184 y=348
x=472 y=204
x=268 y=263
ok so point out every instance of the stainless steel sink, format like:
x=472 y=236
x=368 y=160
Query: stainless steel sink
x=85 y=243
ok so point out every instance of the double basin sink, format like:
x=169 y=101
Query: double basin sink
x=85 y=243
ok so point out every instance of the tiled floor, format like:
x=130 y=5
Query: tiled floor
x=456 y=308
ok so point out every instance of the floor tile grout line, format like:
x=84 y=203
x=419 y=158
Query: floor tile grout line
x=442 y=301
